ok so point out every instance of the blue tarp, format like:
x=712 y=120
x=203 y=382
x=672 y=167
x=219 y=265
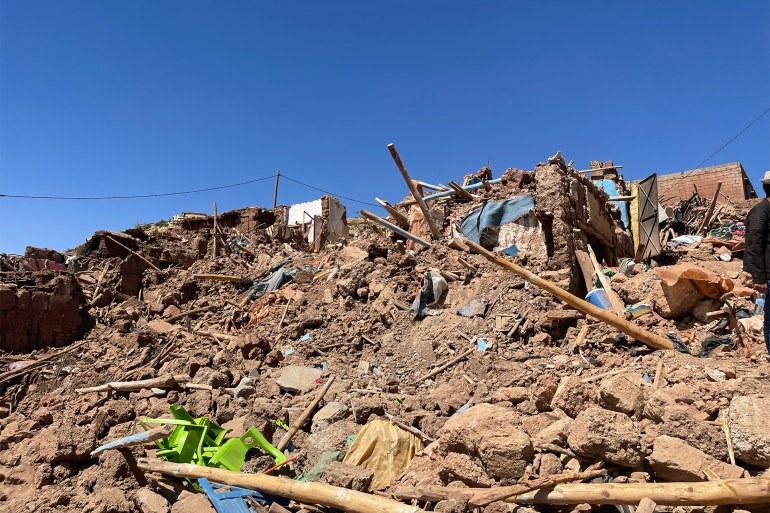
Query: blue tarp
x=495 y=213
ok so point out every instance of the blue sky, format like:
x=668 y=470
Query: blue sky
x=122 y=98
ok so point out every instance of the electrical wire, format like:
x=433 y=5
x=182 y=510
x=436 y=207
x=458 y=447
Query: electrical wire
x=697 y=168
x=327 y=192
x=136 y=196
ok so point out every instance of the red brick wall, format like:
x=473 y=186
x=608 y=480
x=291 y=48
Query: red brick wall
x=677 y=186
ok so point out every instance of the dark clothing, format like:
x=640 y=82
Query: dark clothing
x=756 y=256
x=767 y=323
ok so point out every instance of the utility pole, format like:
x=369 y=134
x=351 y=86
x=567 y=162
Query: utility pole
x=275 y=191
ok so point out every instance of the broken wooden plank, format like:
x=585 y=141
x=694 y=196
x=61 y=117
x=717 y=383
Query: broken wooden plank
x=390 y=226
x=133 y=386
x=461 y=193
x=134 y=253
x=136 y=439
x=617 y=304
x=565 y=315
x=651 y=339
x=448 y=364
x=434 y=228
x=397 y=216
x=707 y=219
x=306 y=413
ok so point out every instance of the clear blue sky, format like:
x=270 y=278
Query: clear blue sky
x=120 y=98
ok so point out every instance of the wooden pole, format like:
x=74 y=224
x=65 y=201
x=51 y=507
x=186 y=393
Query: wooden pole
x=461 y=193
x=617 y=303
x=630 y=329
x=134 y=253
x=305 y=492
x=275 y=189
x=188 y=313
x=304 y=416
x=707 y=220
x=448 y=364
x=434 y=229
x=705 y=493
x=390 y=226
x=218 y=277
x=215 y=232
x=99 y=282
x=397 y=216
x=133 y=386
x=600 y=169
x=478 y=497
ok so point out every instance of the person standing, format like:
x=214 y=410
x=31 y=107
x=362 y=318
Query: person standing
x=756 y=257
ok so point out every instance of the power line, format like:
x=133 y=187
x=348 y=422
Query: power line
x=696 y=168
x=136 y=196
x=327 y=192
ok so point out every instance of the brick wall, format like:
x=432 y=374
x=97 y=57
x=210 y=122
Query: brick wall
x=677 y=186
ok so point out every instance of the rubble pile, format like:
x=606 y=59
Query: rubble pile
x=382 y=361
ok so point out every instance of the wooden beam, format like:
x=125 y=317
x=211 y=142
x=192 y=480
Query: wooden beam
x=600 y=169
x=297 y=425
x=705 y=493
x=134 y=253
x=461 y=193
x=397 y=216
x=707 y=219
x=390 y=226
x=444 y=194
x=434 y=229
x=632 y=330
x=322 y=494
x=617 y=304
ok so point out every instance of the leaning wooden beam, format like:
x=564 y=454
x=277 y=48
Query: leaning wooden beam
x=397 y=216
x=630 y=329
x=100 y=281
x=461 y=193
x=615 y=301
x=134 y=253
x=133 y=386
x=390 y=226
x=705 y=493
x=707 y=219
x=304 y=416
x=306 y=492
x=434 y=229
x=478 y=497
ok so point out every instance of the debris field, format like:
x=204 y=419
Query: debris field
x=452 y=371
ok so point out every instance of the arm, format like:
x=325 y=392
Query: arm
x=756 y=240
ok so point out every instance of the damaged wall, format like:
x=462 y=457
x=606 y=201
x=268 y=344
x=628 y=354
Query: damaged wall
x=41 y=309
x=574 y=213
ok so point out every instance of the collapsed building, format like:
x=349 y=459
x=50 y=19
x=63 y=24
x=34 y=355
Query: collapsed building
x=299 y=337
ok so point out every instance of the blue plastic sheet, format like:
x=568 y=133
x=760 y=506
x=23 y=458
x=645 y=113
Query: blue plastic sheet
x=494 y=214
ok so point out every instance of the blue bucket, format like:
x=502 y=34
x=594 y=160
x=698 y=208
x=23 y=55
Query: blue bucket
x=599 y=297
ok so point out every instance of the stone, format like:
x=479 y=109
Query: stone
x=352 y=477
x=673 y=302
x=704 y=307
x=365 y=407
x=162 y=327
x=150 y=502
x=555 y=434
x=543 y=390
x=504 y=450
x=673 y=459
x=297 y=379
x=513 y=395
x=611 y=436
x=750 y=429
x=550 y=464
x=245 y=389
x=574 y=396
x=621 y=393
x=329 y=414
x=192 y=503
